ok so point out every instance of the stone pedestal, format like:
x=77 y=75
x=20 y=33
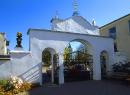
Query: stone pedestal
x=18 y=49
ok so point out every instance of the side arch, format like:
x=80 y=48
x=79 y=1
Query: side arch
x=49 y=60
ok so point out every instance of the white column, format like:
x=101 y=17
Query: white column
x=96 y=66
x=61 y=69
x=52 y=69
x=110 y=63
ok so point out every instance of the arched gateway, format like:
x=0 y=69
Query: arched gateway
x=56 y=42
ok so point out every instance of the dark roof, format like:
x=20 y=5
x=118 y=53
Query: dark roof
x=114 y=21
x=4 y=57
x=2 y=33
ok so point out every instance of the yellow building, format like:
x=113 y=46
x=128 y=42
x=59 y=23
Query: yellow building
x=119 y=30
x=3 y=47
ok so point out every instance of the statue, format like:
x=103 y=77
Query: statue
x=19 y=39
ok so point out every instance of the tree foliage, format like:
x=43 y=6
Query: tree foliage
x=46 y=57
x=80 y=56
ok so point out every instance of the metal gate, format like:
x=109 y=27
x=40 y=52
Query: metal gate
x=77 y=66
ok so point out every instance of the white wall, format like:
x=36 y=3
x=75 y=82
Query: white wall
x=21 y=65
x=5 y=70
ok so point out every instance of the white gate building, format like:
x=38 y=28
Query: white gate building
x=56 y=42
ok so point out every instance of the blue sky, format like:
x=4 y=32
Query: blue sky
x=20 y=15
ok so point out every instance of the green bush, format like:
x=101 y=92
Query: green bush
x=3 y=82
x=8 y=86
x=120 y=67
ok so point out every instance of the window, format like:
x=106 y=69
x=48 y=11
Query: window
x=129 y=26
x=112 y=32
x=115 y=47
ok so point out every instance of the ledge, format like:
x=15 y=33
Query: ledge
x=17 y=51
x=4 y=57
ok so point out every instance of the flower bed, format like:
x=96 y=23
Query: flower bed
x=13 y=86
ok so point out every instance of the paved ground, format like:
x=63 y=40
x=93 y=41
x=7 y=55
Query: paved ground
x=84 y=88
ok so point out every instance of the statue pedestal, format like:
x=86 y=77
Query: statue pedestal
x=18 y=49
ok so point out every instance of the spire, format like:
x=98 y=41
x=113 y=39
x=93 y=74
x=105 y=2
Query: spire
x=75 y=8
x=93 y=22
x=56 y=15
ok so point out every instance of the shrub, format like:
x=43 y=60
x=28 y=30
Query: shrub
x=3 y=82
x=120 y=67
x=13 y=86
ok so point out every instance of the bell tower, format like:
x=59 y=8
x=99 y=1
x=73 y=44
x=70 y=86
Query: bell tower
x=75 y=8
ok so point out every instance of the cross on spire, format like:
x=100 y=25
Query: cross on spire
x=75 y=8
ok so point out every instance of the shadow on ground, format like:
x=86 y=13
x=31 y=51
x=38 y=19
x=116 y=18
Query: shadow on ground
x=104 y=87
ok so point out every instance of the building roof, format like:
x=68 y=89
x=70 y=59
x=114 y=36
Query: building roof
x=80 y=20
x=46 y=30
x=3 y=33
x=115 y=21
x=75 y=24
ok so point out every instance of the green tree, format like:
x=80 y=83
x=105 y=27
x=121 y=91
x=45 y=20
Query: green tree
x=46 y=57
x=67 y=55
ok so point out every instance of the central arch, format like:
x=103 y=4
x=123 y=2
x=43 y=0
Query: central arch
x=78 y=63
x=87 y=45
